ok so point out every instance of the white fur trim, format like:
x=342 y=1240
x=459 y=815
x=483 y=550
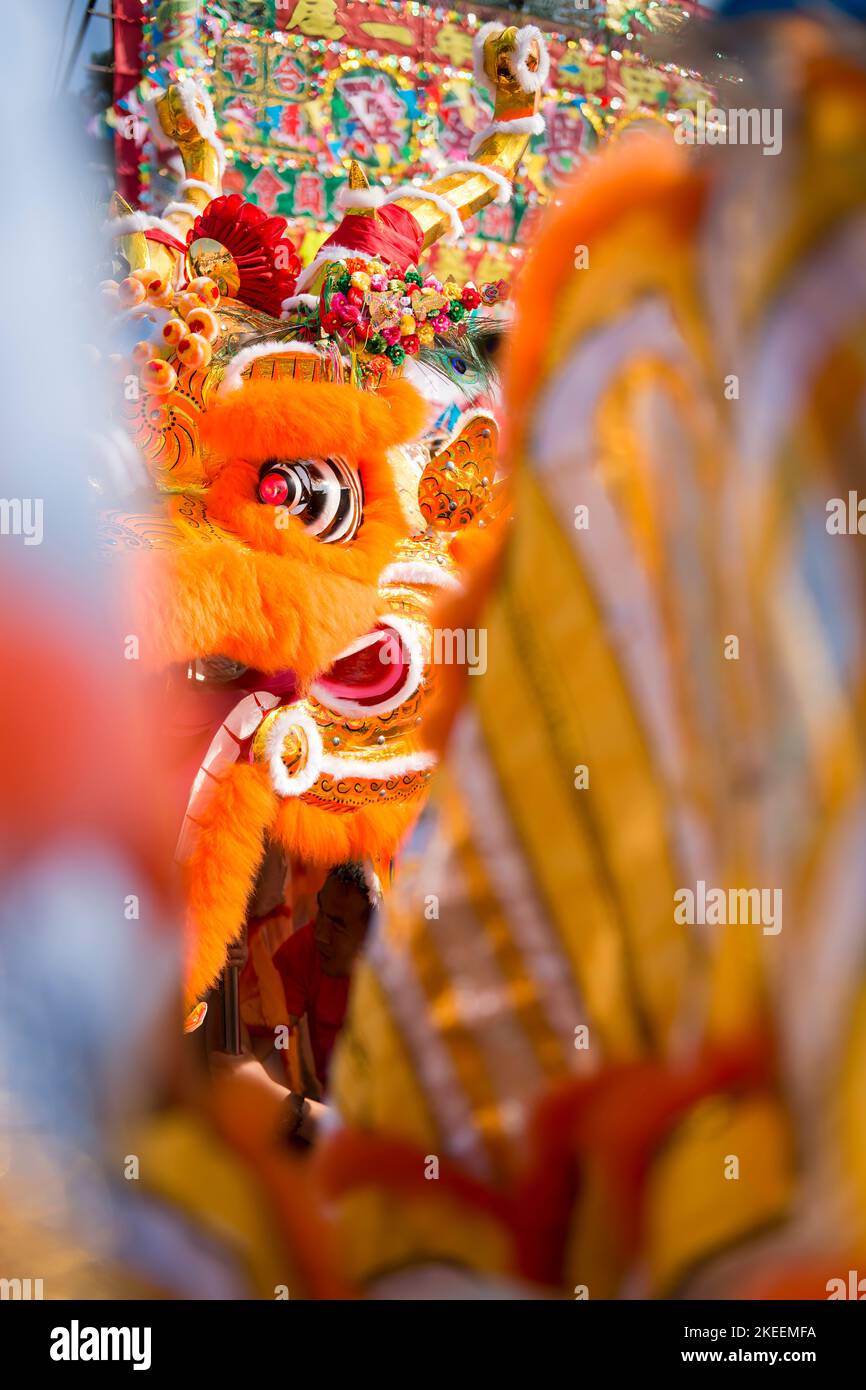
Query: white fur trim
x=467 y=166
x=410 y=640
x=408 y=190
x=131 y=222
x=298 y=301
x=372 y=770
x=199 y=184
x=349 y=198
x=325 y=256
x=523 y=125
x=137 y=222
x=374 y=883
x=160 y=140
x=191 y=90
x=233 y=378
x=478 y=43
x=184 y=209
x=531 y=81
x=420 y=572
x=282 y=783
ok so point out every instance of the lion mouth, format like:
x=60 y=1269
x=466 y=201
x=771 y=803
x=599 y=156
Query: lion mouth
x=375 y=673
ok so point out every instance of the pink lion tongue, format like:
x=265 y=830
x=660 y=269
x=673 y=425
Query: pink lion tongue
x=370 y=672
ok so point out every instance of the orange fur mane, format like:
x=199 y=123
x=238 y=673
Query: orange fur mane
x=275 y=597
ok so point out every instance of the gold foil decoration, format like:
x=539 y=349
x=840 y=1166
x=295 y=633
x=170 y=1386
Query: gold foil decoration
x=133 y=246
x=428 y=303
x=385 y=308
x=201 y=161
x=457 y=483
x=209 y=257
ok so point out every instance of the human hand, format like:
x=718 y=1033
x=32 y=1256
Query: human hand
x=238 y=953
x=231 y=1064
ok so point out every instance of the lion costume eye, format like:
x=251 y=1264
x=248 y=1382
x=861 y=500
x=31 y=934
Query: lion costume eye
x=326 y=495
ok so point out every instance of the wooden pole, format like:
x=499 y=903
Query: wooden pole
x=232 y=1010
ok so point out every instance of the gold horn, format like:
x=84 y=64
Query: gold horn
x=469 y=192
x=358 y=182
x=133 y=245
x=357 y=177
x=201 y=160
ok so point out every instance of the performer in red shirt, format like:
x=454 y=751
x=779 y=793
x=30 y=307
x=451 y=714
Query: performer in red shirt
x=315 y=964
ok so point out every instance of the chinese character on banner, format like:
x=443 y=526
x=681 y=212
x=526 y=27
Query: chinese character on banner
x=242 y=112
x=463 y=112
x=450 y=262
x=565 y=133
x=317 y=18
x=290 y=126
x=289 y=76
x=372 y=114
x=310 y=194
x=397 y=35
x=494 y=265
x=234 y=181
x=454 y=45
x=267 y=188
x=240 y=63
x=497 y=221
x=584 y=74
x=643 y=85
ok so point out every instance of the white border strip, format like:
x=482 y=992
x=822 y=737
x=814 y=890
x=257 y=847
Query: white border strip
x=325 y=256
x=468 y=166
x=298 y=301
x=201 y=185
x=522 y=125
x=137 y=222
x=493 y=26
x=319 y=762
x=527 y=80
x=408 y=190
x=186 y=209
x=419 y=572
x=191 y=90
x=283 y=784
x=349 y=198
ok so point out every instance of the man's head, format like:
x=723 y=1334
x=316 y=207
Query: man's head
x=342 y=919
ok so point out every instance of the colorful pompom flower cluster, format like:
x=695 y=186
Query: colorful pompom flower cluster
x=385 y=317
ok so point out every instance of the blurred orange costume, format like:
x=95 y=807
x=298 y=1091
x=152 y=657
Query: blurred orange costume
x=544 y=1071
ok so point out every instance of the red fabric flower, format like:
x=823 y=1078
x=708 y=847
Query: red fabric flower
x=268 y=264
